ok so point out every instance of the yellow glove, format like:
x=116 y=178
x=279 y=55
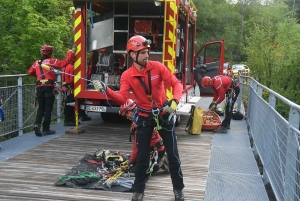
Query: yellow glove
x=99 y=86
x=170 y=106
x=212 y=106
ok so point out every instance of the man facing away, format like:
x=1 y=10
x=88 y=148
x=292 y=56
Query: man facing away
x=146 y=80
x=45 y=86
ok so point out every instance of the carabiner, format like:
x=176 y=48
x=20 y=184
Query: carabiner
x=154 y=106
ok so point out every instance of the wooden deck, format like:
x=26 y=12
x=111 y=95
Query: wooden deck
x=32 y=174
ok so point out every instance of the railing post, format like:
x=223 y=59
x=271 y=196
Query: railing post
x=292 y=159
x=240 y=97
x=20 y=107
x=58 y=99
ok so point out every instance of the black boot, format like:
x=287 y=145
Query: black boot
x=37 y=130
x=85 y=118
x=69 y=123
x=48 y=132
x=179 y=196
x=137 y=196
x=221 y=130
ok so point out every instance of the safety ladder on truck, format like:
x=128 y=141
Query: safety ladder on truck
x=169 y=53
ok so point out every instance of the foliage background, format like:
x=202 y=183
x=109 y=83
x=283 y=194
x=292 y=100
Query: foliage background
x=265 y=36
x=26 y=25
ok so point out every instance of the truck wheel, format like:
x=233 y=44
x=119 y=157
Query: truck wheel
x=107 y=116
x=177 y=122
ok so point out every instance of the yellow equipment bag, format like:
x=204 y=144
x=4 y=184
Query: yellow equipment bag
x=194 y=124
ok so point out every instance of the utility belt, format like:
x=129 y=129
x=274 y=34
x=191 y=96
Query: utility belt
x=44 y=82
x=235 y=83
x=67 y=90
x=67 y=86
x=149 y=121
x=231 y=92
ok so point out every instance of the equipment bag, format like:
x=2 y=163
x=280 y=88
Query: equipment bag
x=194 y=124
x=237 y=116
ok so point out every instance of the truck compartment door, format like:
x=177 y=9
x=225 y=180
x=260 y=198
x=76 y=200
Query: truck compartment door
x=209 y=61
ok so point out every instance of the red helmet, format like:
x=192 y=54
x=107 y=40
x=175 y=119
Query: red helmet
x=46 y=49
x=205 y=81
x=136 y=43
x=129 y=105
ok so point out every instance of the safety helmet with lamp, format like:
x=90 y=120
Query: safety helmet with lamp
x=47 y=50
x=205 y=81
x=129 y=105
x=137 y=43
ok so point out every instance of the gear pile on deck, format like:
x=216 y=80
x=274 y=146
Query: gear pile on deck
x=103 y=170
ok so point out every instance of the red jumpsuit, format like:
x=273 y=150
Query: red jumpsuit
x=155 y=139
x=49 y=74
x=221 y=85
x=45 y=87
x=67 y=89
x=160 y=76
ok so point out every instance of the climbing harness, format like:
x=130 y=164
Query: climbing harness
x=155 y=113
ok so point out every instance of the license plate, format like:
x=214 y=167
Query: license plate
x=94 y=108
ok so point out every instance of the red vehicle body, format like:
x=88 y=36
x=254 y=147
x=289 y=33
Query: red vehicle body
x=102 y=29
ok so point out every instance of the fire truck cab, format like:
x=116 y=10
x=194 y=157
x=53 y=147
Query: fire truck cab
x=102 y=29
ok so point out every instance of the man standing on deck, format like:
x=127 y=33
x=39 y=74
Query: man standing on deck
x=146 y=80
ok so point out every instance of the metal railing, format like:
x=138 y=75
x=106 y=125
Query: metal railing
x=275 y=139
x=18 y=104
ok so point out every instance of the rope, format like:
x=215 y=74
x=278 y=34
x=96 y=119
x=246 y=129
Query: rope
x=126 y=182
x=81 y=175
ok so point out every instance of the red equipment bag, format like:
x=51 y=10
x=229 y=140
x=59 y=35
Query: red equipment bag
x=143 y=26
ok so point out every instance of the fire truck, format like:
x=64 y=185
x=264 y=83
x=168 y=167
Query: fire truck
x=102 y=29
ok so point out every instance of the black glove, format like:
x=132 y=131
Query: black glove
x=212 y=106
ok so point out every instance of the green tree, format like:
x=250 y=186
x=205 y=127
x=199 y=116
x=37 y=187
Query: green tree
x=272 y=51
x=27 y=25
x=218 y=20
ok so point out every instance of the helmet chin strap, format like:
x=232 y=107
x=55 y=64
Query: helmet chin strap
x=136 y=59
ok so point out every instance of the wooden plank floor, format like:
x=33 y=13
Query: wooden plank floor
x=32 y=174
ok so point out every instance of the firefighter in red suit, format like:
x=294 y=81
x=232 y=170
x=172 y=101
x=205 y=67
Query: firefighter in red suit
x=222 y=86
x=146 y=80
x=67 y=89
x=156 y=143
x=45 y=86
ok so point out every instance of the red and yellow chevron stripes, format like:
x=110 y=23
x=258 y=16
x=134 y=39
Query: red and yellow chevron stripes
x=79 y=30
x=169 y=49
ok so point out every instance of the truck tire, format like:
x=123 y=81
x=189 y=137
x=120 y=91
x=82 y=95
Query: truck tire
x=108 y=116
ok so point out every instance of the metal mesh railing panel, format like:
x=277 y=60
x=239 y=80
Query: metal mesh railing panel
x=277 y=143
x=9 y=96
x=12 y=95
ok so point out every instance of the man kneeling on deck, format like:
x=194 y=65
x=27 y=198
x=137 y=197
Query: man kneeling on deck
x=158 y=156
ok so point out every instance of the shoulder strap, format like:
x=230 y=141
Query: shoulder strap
x=148 y=93
x=42 y=72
